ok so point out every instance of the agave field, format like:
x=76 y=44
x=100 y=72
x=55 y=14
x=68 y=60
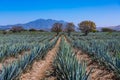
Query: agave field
x=45 y=56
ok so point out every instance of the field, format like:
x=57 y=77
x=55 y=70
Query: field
x=45 y=56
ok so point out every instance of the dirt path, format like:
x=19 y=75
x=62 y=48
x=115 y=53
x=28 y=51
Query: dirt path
x=41 y=68
x=98 y=72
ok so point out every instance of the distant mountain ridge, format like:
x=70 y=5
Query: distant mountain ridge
x=44 y=24
x=117 y=28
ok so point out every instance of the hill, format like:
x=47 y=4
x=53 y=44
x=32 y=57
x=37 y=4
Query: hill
x=46 y=24
x=37 y=24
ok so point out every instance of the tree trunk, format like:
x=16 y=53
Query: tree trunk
x=69 y=33
x=86 y=33
x=57 y=33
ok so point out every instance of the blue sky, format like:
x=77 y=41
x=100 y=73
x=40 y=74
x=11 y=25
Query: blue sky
x=102 y=12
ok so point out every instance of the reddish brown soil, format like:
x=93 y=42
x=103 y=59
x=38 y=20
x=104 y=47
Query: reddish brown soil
x=42 y=67
x=53 y=39
x=99 y=72
x=0 y=67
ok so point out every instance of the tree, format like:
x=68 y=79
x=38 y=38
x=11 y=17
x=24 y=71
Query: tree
x=87 y=26
x=107 y=30
x=94 y=31
x=57 y=27
x=70 y=27
x=42 y=30
x=17 y=29
x=32 y=29
x=4 y=32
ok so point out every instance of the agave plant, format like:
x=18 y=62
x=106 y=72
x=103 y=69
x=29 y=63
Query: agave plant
x=67 y=66
x=38 y=50
x=105 y=48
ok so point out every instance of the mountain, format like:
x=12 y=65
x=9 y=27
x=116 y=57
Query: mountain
x=37 y=24
x=117 y=28
x=46 y=24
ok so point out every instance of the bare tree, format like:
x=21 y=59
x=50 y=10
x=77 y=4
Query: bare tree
x=70 y=27
x=57 y=27
x=17 y=29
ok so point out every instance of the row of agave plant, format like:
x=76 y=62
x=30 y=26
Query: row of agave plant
x=23 y=37
x=13 y=70
x=66 y=65
x=106 y=50
x=12 y=49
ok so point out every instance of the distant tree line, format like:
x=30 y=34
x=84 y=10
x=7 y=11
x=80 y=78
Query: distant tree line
x=107 y=30
x=18 y=29
x=84 y=26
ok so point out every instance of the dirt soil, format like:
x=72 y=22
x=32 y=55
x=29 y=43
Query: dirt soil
x=53 y=39
x=99 y=72
x=40 y=69
x=9 y=60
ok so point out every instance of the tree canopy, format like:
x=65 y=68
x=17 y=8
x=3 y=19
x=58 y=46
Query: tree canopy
x=107 y=30
x=87 y=26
